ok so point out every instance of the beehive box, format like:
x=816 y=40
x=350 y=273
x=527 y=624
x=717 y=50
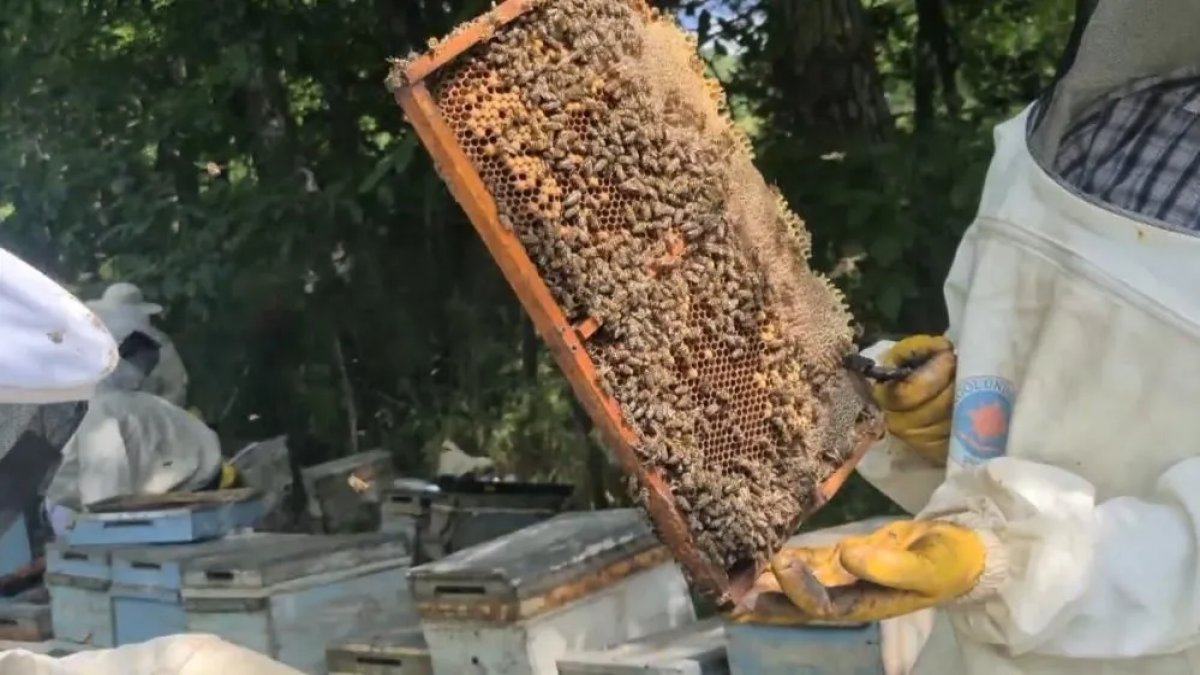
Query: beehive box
x=463 y=513
x=578 y=581
x=818 y=650
x=404 y=510
x=601 y=169
x=396 y=651
x=344 y=494
x=172 y=518
x=78 y=580
x=282 y=595
x=695 y=649
x=24 y=621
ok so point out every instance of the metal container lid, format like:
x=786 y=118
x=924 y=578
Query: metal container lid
x=538 y=568
x=272 y=563
x=259 y=560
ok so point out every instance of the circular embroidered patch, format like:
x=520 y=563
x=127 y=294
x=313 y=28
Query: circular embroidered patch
x=982 y=410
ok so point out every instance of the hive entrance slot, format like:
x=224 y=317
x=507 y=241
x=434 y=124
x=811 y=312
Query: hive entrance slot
x=459 y=590
x=379 y=661
x=127 y=523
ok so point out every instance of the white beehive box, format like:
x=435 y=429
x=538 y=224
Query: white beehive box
x=400 y=650
x=696 y=649
x=579 y=581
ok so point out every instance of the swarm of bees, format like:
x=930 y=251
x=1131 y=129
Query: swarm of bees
x=612 y=159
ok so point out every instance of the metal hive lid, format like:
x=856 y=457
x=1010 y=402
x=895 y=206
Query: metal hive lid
x=259 y=560
x=537 y=568
x=284 y=560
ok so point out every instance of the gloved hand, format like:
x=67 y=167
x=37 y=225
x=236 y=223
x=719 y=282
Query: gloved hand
x=903 y=567
x=230 y=478
x=917 y=409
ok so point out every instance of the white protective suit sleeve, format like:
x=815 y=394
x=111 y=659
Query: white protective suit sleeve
x=1068 y=574
x=55 y=349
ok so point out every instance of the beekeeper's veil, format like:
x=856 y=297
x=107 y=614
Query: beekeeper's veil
x=1114 y=43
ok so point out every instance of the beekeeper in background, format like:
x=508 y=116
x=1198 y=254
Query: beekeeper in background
x=1063 y=533
x=55 y=351
x=136 y=438
x=126 y=314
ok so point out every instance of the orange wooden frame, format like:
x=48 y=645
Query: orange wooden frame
x=566 y=341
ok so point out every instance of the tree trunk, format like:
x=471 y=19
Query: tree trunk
x=822 y=68
x=936 y=60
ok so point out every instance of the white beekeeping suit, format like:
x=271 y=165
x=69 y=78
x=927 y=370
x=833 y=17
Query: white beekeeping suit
x=135 y=438
x=124 y=312
x=133 y=443
x=54 y=348
x=55 y=351
x=1077 y=328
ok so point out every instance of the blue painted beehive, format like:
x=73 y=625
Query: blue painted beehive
x=166 y=519
x=78 y=581
x=283 y=595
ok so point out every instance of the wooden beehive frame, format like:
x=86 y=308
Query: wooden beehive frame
x=566 y=340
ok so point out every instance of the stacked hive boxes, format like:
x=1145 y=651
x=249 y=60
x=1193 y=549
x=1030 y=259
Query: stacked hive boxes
x=284 y=595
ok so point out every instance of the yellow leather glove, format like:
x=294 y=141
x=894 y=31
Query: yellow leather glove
x=918 y=408
x=900 y=568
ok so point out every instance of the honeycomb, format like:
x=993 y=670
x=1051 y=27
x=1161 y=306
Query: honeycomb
x=611 y=157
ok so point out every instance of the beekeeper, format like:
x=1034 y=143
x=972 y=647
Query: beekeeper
x=128 y=317
x=1063 y=534
x=135 y=438
x=134 y=443
x=56 y=351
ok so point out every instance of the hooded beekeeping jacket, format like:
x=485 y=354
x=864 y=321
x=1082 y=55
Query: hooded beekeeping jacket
x=52 y=348
x=1075 y=444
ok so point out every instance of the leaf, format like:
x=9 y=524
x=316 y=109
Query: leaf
x=889 y=301
x=398 y=159
x=885 y=250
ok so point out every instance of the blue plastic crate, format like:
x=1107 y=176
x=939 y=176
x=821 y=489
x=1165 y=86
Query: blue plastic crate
x=166 y=520
x=809 y=650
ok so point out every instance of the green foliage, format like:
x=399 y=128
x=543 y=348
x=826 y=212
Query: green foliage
x=243 y=162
